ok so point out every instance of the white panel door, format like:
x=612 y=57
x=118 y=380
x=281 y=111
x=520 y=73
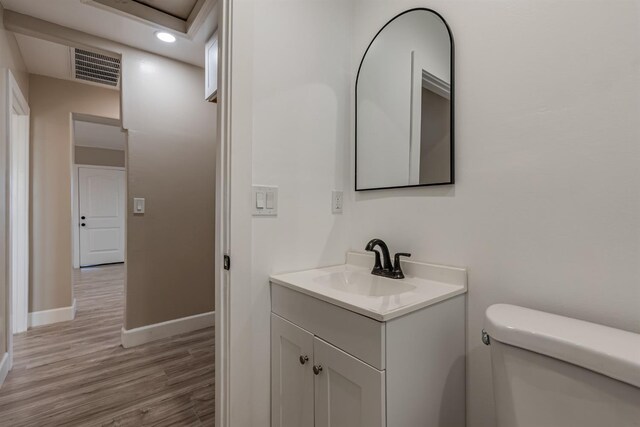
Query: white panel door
x=102 y=209
x=348 y=392
x=291 y=375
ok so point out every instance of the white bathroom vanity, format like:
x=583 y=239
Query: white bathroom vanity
x=352 y=349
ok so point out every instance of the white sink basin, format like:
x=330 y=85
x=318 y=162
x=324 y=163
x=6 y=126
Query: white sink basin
x=352 y=286
x=363 y=283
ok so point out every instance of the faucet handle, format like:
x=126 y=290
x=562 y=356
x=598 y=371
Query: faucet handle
x=396 y=258
x=397 y=268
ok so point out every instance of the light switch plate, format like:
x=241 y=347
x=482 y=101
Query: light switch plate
x=264 y=200
x=337 y=201
x=138 y=205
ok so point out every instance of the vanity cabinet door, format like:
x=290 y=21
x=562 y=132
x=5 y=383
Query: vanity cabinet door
x=348 y=392
x=291 y=375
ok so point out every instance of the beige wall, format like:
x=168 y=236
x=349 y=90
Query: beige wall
x=171 y=163
x=52 y=101
x=99 y=156
x=435 y=138
x=10 y=58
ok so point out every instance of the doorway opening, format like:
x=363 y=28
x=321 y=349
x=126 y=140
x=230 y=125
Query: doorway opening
x=99 y=194
x=133 y=341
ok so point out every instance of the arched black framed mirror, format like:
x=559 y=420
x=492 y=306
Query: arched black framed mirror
x=405 y=104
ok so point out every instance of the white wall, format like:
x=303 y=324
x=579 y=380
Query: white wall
x=291 y=91
x=546 y=209
x=545 y=212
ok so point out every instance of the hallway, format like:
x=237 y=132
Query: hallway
x=77 y=373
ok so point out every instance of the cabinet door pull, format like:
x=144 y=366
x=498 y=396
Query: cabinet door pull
x=304 y=359
x=317 y=369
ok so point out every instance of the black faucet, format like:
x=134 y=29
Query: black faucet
x=385 y=269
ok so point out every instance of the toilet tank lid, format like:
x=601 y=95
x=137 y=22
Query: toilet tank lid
x=609 y=351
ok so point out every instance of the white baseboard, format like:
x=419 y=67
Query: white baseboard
x=47 y=317
x=4 y=368
x=157 y=331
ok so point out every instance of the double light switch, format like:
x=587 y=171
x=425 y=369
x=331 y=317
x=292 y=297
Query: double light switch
x=265 y=200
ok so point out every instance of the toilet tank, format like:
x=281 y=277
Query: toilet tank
x=554 y=371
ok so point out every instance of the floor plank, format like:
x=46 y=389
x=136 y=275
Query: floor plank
x=77 y=373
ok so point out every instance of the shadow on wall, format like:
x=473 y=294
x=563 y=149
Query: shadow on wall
x=451 y=391
x=421 y=192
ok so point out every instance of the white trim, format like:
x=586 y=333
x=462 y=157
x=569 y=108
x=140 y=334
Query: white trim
x=199 y=16
x=143 y=14
x=75 y=207
x=14 y=89
x=5 y=366
x=158 y=331
x=223 y=389
x=115 y=168
x=81 y=117
x=15 y=101
x=18 y=232
x=55 y=315
x=436 y=85
x=18 y=203
x=415 y=121
x=147 y=15
x=211 y=69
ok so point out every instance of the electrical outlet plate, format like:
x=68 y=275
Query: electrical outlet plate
x=265 y=200
x=337 y=201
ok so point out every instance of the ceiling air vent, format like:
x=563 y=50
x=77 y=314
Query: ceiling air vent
x=96 y=68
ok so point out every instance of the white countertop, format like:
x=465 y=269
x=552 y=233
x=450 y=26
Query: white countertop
x=353 y=287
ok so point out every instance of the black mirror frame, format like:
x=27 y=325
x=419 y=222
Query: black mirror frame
x=452 y=130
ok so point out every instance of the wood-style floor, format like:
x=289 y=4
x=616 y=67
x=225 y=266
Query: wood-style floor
x=77 y=373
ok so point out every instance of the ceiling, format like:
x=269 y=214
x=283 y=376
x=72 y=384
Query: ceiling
x=45 y=58
x=94 y=18
x=178 y=8
x=50 y=59
x=98 y=135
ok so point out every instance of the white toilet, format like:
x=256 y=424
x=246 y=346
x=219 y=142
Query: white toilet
x=553 y=371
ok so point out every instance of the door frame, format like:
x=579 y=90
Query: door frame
x=75 y=216
x=75 y=199
x=18 y=232
x=223 y=337
x=16 y=102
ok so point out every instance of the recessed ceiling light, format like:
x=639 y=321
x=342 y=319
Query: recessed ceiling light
x=165 y=37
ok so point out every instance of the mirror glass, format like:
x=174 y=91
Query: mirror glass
x=404 y=105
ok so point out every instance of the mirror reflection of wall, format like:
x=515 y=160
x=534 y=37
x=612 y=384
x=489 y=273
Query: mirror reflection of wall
x=404 y=108
x=435 y=142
